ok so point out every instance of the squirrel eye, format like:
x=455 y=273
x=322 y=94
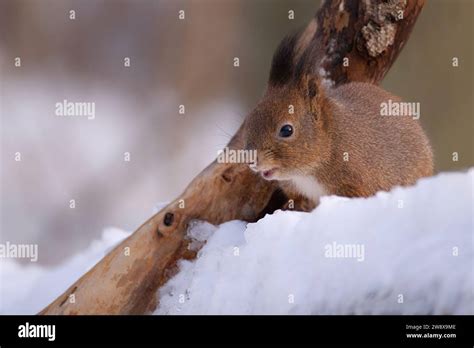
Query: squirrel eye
x=286 y=131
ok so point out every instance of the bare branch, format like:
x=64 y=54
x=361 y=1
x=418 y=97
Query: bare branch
x=370 y=33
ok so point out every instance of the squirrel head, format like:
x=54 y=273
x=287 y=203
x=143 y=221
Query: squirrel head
x=288 y=129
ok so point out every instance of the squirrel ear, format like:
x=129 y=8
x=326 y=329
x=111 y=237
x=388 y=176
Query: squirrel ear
x=314 y=94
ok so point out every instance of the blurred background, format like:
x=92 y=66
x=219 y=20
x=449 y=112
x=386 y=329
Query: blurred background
x=172 y=62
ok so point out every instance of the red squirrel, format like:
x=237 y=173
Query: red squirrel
x=317 y=140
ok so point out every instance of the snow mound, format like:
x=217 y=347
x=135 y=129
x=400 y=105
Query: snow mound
x=409 y=251
x=28 y=289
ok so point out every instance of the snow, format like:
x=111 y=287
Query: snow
x=409 y=251
x=28 y=289
x=279 y=265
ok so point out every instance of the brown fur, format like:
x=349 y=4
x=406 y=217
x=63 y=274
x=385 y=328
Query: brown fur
x=384 y=151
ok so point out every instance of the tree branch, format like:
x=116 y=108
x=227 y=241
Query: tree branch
x=370 y=34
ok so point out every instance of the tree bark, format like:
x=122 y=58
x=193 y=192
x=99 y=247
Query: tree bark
x=370 y=34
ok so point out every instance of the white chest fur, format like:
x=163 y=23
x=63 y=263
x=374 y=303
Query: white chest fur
x=309 y=187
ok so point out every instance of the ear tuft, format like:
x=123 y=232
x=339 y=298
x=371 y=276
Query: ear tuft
x=283 y=66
